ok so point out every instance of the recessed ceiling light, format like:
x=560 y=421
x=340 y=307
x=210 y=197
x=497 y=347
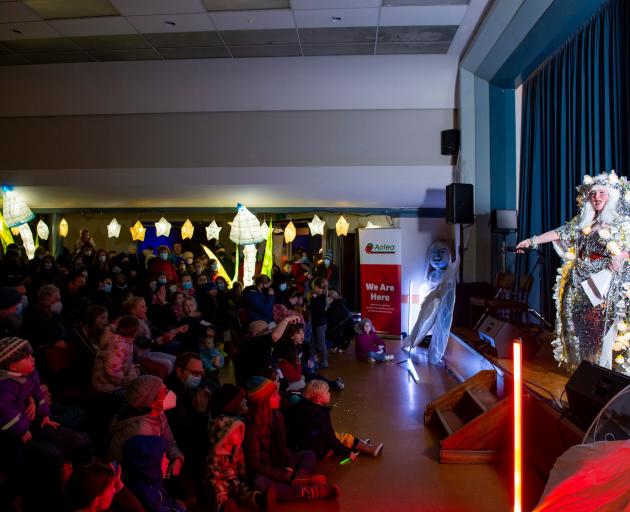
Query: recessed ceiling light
x=170 y=23
x=336 y=19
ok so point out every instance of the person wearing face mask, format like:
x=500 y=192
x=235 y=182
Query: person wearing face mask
x=101 y=265
x=328 y=270
x=74 y=297
x=142 y=414
x=162 y=265
x=186 y=285
x=87 y=257
x=104 y=295
x=189 y=418
x=259 y=299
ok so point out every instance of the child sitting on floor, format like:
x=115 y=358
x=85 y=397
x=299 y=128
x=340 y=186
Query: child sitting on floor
x=369 y=346
x=312 y=428
x=226 y=475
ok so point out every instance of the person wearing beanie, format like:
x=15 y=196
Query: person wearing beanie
x=229 y=400
x=11 y=310
x=268 y=456
x=226 y=476
x=143 y=415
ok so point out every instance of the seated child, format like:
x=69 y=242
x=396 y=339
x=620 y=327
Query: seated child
x=146 y=464
x=113 y=366
x=211 y=357
x=312 y=427
x=369 y=346
x=92 y=487
x=226 y=476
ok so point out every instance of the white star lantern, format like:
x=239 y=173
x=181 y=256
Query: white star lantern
x=162 y=227
x=14 y=209
x=212 y=231
x=342 y=226
x=138 y=231
x=113 y=229
x=317 y=226
x=42 y=230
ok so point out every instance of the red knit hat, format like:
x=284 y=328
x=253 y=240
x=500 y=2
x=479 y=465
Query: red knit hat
x=259 y=388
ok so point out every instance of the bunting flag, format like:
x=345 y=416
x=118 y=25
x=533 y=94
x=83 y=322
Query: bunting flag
x=268 y=258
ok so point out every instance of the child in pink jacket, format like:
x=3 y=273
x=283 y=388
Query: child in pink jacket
x=369 y=346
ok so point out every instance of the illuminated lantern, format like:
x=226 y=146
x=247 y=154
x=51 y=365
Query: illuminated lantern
x=369 y=225
x=289 y=232
x=342 y=227
x=268 y=258
x=245 y=230
x=317 y=226
x=220 y=269
x=113 y=229
x=42 y=230
x=162 y=227
x=14 y=210
x=212 y=231
x=138 y=231
x=15 y=231
x=27 y=240
x=264 y=228
x=63 y=228
x=187 y=229
x=5 y=233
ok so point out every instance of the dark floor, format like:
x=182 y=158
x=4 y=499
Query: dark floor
x=382 y=402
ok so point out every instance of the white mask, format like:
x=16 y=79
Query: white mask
x=56 y=308
x=170 y=401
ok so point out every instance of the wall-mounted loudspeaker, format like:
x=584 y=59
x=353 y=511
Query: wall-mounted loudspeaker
x=459 y=204
x=450 y=142
x=503 y=221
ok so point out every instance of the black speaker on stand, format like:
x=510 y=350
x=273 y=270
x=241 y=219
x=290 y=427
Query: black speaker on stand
x=460 y=209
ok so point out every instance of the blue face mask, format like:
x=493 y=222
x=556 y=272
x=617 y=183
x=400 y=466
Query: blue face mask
x=187 y=285
x=213 y=267
x=18 y=309
x=163 y=256
x=282 y=286
x=161 y=281
x=220 y=286
x=107 y=288
x=193 y=381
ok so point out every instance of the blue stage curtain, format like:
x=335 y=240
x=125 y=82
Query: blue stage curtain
x=575 y=121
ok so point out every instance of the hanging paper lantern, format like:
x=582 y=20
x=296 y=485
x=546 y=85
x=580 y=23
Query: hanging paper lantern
x=15 y=231
x=369 y=225
x=63 y=228
x=113 y=229
x=14 y=210
x=138 y=231
x=317 y=226
x=212 y=231
x=264 y=228
x=267 y=265
x=249 y=264
x=42 y=230
x=289 y=232
x=162 y=227
x=5 y=233
x=342 y=227
x=27 y=240
x=220 y=269
x=187 y=230
x=245 y=228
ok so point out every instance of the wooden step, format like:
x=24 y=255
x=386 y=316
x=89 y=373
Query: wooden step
x=484 y=398
x=449 y=419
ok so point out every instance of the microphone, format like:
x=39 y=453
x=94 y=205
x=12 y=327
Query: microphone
x=523 y=249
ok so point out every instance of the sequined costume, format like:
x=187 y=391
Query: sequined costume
x=597 y=333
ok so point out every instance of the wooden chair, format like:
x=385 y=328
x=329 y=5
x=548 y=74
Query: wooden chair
x=503 y=284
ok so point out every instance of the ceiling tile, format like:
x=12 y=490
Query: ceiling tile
x=252 y=20
x=16 y=11
x=420 y=34
x=26 y=30
x=60 y=9
x=334 y=4
x=338 y=49
x=404 y=47
x=183 y=39
x=171 y=23
x=78 y=27
x=387 y=3
x=140 y=7
x=113 y=55
x=260 y=37
x=57 y=58
x=215 y=52
x=292 y=50
x=120 y=42
x=12 y=60
x=336 y=18
x=45 y=45
x=245 y=5
x=422 y=15
x=338 y=35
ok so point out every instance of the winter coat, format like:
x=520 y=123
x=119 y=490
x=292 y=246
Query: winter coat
x=14 y=392
x=158 y=266
x=313 y=430
x=340 y=322
x=113 y=366
x=365 y=343
x=142 y=465
x=259 y=306
x=318 y=310
x=268 y=454
x=127 y=425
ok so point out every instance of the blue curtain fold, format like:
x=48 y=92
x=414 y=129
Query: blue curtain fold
x=575 y=121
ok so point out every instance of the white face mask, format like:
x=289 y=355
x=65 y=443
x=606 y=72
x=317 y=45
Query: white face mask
x=170 y=401
x=102 y=258
x=56 y=308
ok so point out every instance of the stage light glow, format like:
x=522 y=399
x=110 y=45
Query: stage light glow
x=518 y=418
x=412 y=369
x=410 y=292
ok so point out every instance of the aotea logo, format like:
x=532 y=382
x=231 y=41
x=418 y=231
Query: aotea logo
x=371 y=248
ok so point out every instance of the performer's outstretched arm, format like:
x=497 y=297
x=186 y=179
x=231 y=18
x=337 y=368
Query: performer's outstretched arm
x=533 y=242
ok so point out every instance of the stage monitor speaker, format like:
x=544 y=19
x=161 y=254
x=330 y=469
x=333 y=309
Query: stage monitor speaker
x=459 y=204
x=590 y=388
x=450 y=142
x=500 y=335
x=503 y=221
